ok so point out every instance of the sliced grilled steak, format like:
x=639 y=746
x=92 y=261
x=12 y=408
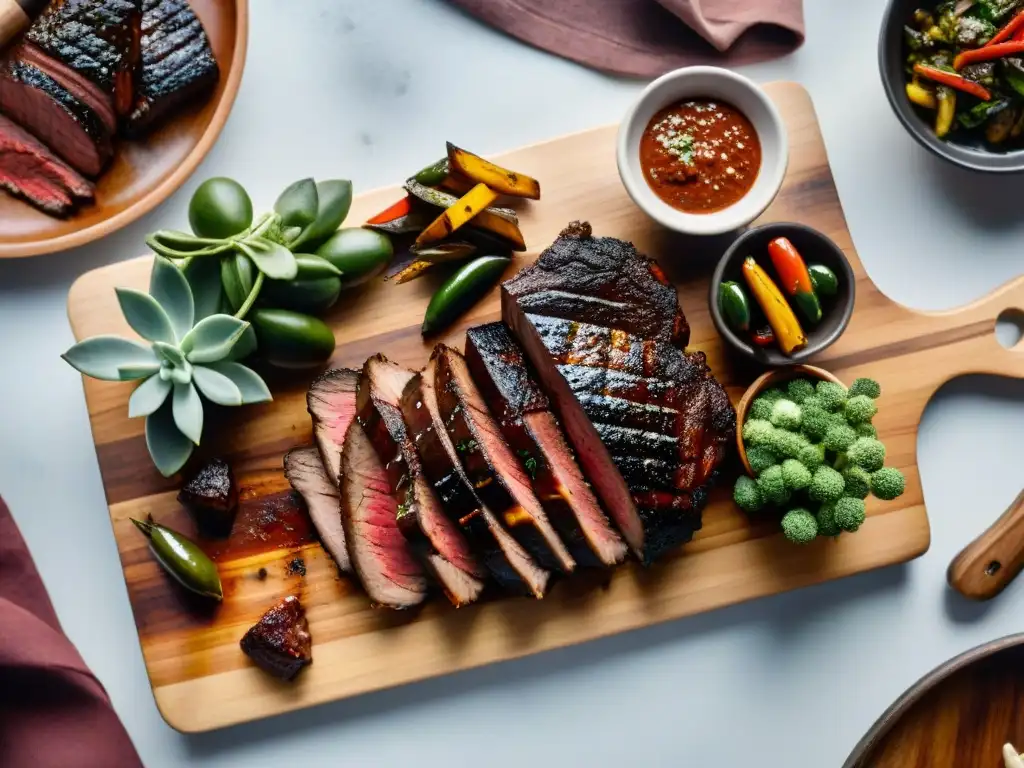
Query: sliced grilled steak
x=306 y=474
x=379 y=552
x=649 y=423
x=435 y=538
x=507 y=561
x=31 y=171
x=178 y=64
x=36 y=101
x=492 y=468
x=331 y=401
x=98 y=39
x=280 y=643
x=524 y=414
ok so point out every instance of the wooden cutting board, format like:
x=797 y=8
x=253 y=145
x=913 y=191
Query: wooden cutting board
x=200 y=678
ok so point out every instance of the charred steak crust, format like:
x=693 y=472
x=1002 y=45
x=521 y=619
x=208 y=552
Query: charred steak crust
x=280 y=643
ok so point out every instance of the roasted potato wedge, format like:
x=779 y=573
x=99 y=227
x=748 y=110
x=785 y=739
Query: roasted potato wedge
x=494 y=176
x=467 y=207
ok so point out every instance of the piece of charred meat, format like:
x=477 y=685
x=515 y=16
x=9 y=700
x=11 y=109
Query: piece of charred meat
x=29 y=170
x=280 y=643
x=306 y=474
x=331 y=401
x=212 y=497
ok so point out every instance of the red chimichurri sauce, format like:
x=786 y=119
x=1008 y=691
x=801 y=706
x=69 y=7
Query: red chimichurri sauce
x=700 y=155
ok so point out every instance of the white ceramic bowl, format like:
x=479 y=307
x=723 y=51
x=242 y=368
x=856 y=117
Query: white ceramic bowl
x=712 y=83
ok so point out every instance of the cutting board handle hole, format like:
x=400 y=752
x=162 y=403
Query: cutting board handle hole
x=993 y=568
x=1010 y=328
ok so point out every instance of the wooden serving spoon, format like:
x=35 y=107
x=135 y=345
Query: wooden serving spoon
x=989 y=563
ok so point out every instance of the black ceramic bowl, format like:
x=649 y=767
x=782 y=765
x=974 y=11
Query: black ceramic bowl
x=891 y=60
x=815 y=248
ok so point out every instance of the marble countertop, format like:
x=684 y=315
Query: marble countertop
x=794 y=680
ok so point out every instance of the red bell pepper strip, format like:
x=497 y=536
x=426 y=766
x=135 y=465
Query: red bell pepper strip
x=953 y=80
x=1013 y=26
x=794 y=278
x=392 y=212
x=989 y=52
x=1019 y=34
x=763 y=337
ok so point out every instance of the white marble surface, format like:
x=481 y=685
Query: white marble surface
x=348 y=87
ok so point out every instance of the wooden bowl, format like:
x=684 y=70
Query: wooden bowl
x=959 y=714
x=766 y=381
x=143 y=172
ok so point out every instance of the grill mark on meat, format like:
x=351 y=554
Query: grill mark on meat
x=74 y=82
x=331 y=401
x=431 y=534
x=607 y=409
x=507 y=561
x=177 y=65
x=490 y=465
x=305 y=472
x=523 y=413
x=40 y=104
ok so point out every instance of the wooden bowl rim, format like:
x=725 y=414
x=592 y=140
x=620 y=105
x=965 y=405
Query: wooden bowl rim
x=177 y=177
x=761 y=383
x=866 y=746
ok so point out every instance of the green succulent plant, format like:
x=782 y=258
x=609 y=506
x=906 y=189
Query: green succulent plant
x=192 y=354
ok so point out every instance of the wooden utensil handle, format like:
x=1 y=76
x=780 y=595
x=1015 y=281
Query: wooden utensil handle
x=990 y=562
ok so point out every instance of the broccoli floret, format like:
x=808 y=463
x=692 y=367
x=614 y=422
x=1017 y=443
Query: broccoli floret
x=839 y=437
x=833 y=396
x=746 y=494
x=812 y=456
x=786 y=415
x=866 y=430
x=866 y=453
x=860 y=409
x=773 y=486
x=799 y=390
x=758 y=432
x=760 y=409
x=887 y=483
x=858 y=483
x=795 y=475
x=826 y=485
x=799 y=526
x=760 y=457
x=850 y=514
x=773 y=394
x=826 y=517
x=867 y=387
x=815 y=421
x=788 y=445
x=812 y=402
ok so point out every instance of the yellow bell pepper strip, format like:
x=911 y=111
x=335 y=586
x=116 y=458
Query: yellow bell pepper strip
x=921 y=96
x=946 y=113
x=467 y=206
x=485 y=172
x=796 y=281
x=953 y=80
x=787 y=328
x=988 y=53
x=1013 y=26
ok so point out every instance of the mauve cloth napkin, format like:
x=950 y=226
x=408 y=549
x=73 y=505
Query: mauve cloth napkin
x=53 y=712
x=645 y=38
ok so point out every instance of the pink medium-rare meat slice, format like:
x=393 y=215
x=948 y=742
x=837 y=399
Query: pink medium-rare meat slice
x=524 y=414
x=305 y=472
x=379 y=553
x=510 y=565
x=434 y=538
x=29 y=169
x=74 y=82
x=331 y=401
x=498 y=477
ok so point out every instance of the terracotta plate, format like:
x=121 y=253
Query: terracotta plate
x=144 y=172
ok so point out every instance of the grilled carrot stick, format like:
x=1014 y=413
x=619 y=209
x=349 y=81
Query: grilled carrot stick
x=989 y=52
x=1013 y=26
x=953 y=80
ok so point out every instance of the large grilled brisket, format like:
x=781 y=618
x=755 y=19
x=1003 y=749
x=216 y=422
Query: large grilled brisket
x=649 y=423
x=435 y=539
x=507 y=561
x=498 y=477
x=524 y=414
x=31 y=171
x=177 y=62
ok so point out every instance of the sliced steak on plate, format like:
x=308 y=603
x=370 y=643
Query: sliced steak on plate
x=331 y=401
x=649 y=422
x=507 y=561
x=498 y=477
x=435 y=539
x=305 y=472
x=527 y=423
x=31 y=171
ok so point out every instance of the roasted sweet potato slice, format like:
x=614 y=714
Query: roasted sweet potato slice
x=467 y=207
x=494 y=176
x=498 y=221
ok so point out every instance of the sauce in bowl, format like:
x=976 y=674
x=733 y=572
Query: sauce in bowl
x=700 y=155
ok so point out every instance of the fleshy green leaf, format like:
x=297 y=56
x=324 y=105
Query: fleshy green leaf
x=298 y=205
x=148 y=396
x=101 y=356
x=335 y=198
x=170 y=353
x=203 y=275
x=213 y=338
x=145 y=316
x=169 y=287
x=249 y=383
x=188 y=411
x=313 y=267
x=272 y=259
x=137 y=371
x=184 y=242
x=168 y=448
x=237 y=275
x=216 y=387
x=244 y=347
